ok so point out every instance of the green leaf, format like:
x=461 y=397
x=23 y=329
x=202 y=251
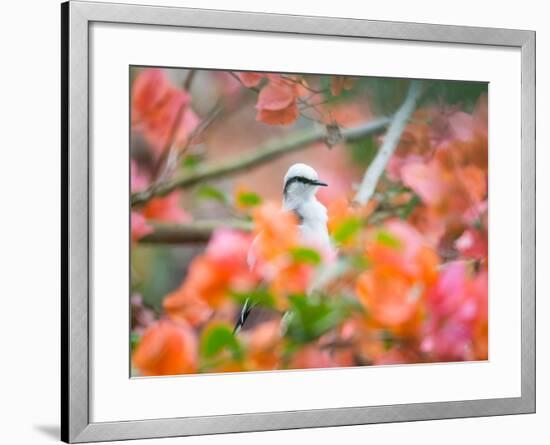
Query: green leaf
x=191 y=161
x=217 y=338
x=363 y=151
x=387 y=239
x=405 y=211
x=359 y=262
x=248 y=199
x=208 y=192
x=134 y=340
x=346 y=230
x=305 y=255
x=387 y=340
x=313 y=316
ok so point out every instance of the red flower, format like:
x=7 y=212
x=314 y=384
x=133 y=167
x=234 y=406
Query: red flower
x=166 y=209
x=156 y=104
x=277 y=102
x=250 y=79
x=149 y=92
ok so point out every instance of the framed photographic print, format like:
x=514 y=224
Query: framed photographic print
x=275 y=222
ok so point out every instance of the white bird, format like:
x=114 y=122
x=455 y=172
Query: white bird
x=300 y=185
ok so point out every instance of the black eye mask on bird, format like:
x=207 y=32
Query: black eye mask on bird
x=303 y=180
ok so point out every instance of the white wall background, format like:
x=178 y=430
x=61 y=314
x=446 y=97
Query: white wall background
x=29 y=221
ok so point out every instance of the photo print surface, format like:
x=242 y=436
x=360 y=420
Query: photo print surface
x=292 y=221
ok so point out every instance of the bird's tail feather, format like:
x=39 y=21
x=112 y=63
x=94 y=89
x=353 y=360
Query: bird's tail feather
x=245 y=312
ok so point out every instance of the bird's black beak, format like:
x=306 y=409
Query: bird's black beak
x=320 y=183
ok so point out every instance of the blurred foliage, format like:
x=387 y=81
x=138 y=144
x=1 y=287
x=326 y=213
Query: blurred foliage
x=363 y=151
x=312 y=316
x=218 y=338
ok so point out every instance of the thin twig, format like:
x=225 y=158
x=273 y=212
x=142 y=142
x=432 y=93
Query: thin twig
x=265 y=153
x=302 y=83
x=301 y=101
x=188 y=233
x=168 y=145
x=189 y=80
x=176 y=153
x=391 y=140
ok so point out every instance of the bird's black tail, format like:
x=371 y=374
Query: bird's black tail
x=245 y=312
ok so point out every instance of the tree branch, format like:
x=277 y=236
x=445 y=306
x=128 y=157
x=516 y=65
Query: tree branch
x=391 y=140
x=267 y=152
x=195 y=232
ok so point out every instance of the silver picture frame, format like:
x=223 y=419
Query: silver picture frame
x=76 y=18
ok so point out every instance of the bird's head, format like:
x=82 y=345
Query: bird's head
x=301 y=183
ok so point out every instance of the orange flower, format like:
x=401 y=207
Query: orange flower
x=277 y=235
x=290 y=278
x=207 y=281
x=184 y=304
x=388 y=294
x=166 y=348
x=276 y=231
x=403 y=267
x=312 y=356
x=264 y=346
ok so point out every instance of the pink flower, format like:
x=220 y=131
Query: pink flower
x=229 y=248
x=426 y=179
x=139 y=226
x=166 y=209
x=473 y=244
x=457 y=311
x=138 y=180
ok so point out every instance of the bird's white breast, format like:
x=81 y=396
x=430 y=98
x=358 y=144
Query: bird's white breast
x=313 y=228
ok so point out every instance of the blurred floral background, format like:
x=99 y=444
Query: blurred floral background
x=406 y=163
